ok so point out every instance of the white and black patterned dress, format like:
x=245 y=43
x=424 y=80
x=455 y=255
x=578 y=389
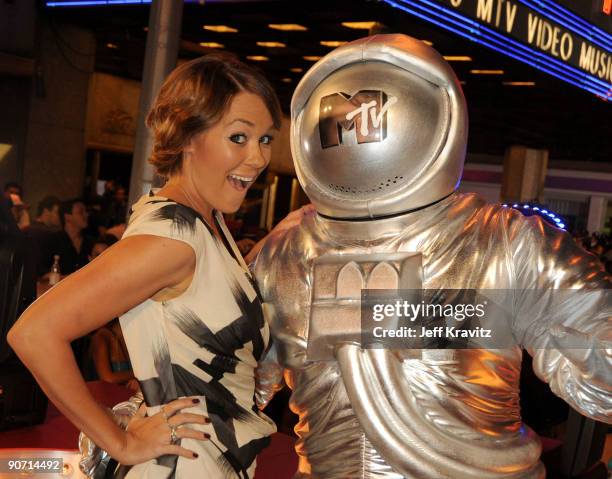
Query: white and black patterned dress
x=204 y=343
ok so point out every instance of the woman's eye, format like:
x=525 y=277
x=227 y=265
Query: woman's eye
x=266 y=139
x=239 y=138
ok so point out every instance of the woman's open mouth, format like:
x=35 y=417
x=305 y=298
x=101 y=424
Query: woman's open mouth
x=241 y=183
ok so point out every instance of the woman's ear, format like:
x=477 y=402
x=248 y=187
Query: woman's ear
x=188 y=149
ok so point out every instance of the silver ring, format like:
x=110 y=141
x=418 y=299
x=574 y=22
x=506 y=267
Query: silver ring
x=173 y=437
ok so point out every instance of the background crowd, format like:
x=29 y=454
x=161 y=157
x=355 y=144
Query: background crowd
x=63 y=236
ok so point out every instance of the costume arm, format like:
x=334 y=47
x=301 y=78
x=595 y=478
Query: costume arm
x=268 y=378
x=563 y=315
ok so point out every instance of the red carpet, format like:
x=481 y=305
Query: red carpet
x=278 y=461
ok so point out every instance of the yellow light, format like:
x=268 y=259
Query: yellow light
x=257 y=58
x=5 y=149
x=297 y=70
x=311 y=58
x=286 y=27
x=519 y=83
x=271 y=44
x=487 y=72
x=112 y=46
x=286 y=80
x=220 y=28
x=457 y=58
x=211 y=45
x=359 y=25
x=427 y=42
x=332 y=43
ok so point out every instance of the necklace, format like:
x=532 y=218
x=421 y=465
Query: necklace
x=193 y=203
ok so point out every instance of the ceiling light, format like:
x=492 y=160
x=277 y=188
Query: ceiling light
x=271 y=44
x=286 y=80
x=5 y=148
x=296 y=70
x=332 y=43
x=112 y=45
x=519 y=83
x=286 y=27
x=487 y=72
x=359 y=25
x=211 y=45
x=457 y=58
x=427 y=42
x=311 y=58
x=257 y=58
x=220 y=28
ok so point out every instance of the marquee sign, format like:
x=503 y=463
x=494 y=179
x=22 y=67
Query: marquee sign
x=539 y=33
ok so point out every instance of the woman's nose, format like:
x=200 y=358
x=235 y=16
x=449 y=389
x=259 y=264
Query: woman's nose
x=257 y=158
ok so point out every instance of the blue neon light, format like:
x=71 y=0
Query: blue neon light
x=480 y=34
x=551 y=61
x=571 y=26
x=486 y=34
x=529 y=210
x=91 y=3
x=95 y=3
x=567 y=14
x=582 y=77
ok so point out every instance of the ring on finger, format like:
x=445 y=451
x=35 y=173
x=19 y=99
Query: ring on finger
x=173 y=436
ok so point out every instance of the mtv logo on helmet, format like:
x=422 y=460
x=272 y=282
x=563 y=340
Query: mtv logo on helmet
x=365 y=112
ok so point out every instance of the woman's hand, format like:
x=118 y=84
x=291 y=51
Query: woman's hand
x=292 y=219
x=150 y=437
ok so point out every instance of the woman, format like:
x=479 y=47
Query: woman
x=110 y=357
x=190 y=314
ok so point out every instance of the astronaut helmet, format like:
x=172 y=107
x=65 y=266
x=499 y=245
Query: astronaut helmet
x=378 y=128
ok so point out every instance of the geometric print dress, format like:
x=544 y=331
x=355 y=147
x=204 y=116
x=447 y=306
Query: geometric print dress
x=204 y=343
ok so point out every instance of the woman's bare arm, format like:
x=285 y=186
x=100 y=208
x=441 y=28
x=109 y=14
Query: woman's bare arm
x=124 y=276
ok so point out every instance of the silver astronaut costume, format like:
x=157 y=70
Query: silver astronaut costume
x=379 y=130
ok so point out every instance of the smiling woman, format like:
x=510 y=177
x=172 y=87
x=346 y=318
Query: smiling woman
x=190 y=314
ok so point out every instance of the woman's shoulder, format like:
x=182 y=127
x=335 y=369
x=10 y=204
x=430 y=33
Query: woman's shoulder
x=160 y=216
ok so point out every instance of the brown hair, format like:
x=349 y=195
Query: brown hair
x=194 y=97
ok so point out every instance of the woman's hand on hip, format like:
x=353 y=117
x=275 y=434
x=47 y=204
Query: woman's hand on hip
x=150 y=437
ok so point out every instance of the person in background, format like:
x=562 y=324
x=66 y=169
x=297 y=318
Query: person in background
x=39 y=234
x=105 y=202
x=118 y=207
x=13 y=193
x=110 y=356
x=101 y=244
x=72 y=246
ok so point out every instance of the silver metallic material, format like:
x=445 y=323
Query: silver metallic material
x=173 y=437
x=94 y=460
x=420 y=413
x=379 y=126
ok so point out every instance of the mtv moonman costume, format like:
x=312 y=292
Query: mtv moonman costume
x=379 y=131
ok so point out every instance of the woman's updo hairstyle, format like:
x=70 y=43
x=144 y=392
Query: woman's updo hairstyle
x=194 y=97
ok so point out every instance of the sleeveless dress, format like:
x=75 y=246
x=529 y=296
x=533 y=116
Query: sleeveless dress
x=204 y=343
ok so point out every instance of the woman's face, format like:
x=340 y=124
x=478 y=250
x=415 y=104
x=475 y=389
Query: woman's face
x=222 y=162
